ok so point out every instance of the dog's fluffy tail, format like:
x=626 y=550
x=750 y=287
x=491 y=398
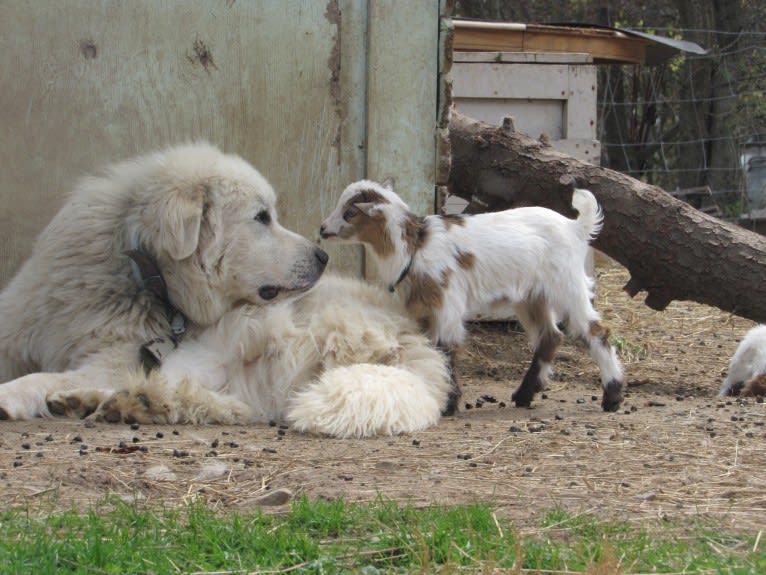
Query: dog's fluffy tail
x=591 y=218
x=364 y=400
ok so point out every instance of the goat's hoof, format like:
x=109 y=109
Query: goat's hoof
x=451 y=408
x=521 y=400
x=736 y=389
x=613 y=396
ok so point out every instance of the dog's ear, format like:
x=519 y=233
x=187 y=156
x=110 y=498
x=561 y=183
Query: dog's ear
x=369 y=209
x=179 y=213
x=389 y=184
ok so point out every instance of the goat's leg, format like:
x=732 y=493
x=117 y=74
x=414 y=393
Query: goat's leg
x=597 y=336
x=545 y=338
x=455 y=393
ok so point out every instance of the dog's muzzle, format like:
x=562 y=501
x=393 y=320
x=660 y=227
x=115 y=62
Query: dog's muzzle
x=311 y=275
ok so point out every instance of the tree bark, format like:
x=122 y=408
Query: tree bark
x=672 y=251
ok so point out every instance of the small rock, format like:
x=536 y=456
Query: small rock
x=648 y=496
x=159 y=473
x=275 y=498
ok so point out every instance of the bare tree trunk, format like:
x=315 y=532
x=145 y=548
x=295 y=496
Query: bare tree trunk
x=672 y=251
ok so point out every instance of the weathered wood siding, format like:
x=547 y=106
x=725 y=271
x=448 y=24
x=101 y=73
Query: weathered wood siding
x=314 y=93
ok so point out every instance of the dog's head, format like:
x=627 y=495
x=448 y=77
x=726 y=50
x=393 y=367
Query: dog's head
x=209 y=219
x=370 y=213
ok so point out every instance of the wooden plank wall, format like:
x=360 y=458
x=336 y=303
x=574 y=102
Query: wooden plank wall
x=315 y=94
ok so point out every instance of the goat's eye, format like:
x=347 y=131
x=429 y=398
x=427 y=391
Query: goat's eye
x=263 y=217
x=350 y=213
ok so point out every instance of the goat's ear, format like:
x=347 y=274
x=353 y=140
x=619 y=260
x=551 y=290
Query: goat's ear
x=369 y=209
x=389 y=184
x=179 y=214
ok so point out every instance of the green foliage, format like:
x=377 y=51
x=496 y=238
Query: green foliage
x=339 y=537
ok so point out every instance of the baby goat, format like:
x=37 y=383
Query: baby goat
x=747 y=367
x=447 y=268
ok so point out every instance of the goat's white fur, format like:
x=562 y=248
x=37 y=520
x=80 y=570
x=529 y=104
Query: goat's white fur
x=747 y=363
x=529 y=259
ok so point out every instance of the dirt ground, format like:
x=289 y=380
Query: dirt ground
x=674 y=452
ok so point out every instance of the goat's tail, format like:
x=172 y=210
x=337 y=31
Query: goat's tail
x=591 y=218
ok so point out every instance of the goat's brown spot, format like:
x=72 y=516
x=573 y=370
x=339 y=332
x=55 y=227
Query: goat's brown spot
x=426 y=295
x=373 y=232
x=366 y=197
x=450 y=220
x=466 y=260
x=370 y=230
x=446 y=275
x=755 y=387
x=599 y=331
x=547 y=345
x=414 y=233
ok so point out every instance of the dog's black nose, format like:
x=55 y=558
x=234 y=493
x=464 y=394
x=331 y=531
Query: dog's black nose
x=321 y=255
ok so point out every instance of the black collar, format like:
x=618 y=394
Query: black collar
x=150 y=279
x=402 y=275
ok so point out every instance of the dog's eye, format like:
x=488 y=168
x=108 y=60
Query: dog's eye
x=263 y=217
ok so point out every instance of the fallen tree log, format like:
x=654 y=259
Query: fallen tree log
x=672 y=251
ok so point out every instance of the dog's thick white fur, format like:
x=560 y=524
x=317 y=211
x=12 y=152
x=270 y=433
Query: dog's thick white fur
x=530 y=260
x=747 y=367
x=76 y=315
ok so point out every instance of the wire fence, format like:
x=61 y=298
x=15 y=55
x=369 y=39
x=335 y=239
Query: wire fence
x=667 y=127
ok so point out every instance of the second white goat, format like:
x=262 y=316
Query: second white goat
x=530 y=260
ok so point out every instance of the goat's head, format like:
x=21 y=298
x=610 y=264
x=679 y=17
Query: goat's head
x=369 y=213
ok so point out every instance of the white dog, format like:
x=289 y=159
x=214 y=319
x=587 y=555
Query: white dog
x=184 y=246
x=529 y=260
x=747 y=367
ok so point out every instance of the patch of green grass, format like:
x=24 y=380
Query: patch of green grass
x=338 y=537
x=627 y=350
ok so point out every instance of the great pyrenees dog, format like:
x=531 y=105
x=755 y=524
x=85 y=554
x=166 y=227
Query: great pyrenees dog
x=165 y=291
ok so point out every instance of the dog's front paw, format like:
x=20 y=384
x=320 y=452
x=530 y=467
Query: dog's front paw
x=130 y=407
x=24 y=398
x=75 y=403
